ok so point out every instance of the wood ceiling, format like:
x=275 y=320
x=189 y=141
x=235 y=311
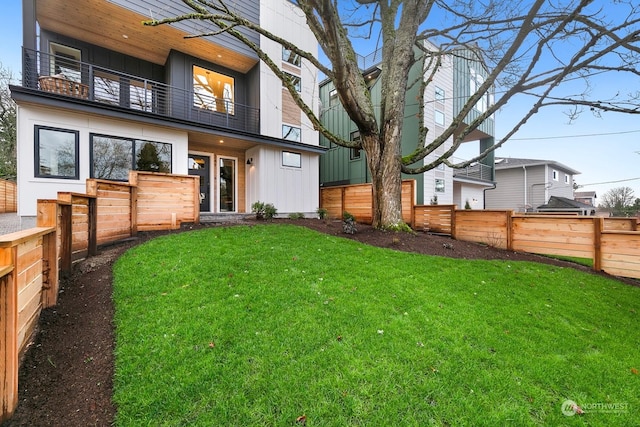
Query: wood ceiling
x=104 y=24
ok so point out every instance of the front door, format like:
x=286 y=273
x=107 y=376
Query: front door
x=227 y=184
x=199 y=165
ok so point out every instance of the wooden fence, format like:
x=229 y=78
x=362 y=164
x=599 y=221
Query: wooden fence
x=8 y=196
x=612 y=243
x=69 y=228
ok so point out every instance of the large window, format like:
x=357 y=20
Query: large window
x=476 y=80
x=291 y=133
x=290 y=56
x=113 y=157
x=56 y=153
x=213 y=91
x=65 y=61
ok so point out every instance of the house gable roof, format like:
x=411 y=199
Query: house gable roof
x=563 y=203
x=512 y=163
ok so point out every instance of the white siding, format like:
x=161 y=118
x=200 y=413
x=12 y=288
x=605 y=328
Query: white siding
x=285 y=20
x=30 y=189
x=443 y=79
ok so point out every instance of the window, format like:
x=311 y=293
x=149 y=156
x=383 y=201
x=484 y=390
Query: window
x=354 y=153
x=292 y=160
x=439 y=185
x=476 y=80
x=295 y=81
x=438 y=117
x=555 y=175
x=333 y=97
x=65 y=60
x=213 y=91
x=113 y=157
x=567 y=179
x=56 y=153
x=439 y=95
x=291 y=133
x=290 y=57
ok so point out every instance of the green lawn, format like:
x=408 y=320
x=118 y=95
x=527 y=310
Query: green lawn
x=257 y=326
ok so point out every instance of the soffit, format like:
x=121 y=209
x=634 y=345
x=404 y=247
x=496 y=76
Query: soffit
x=104 y=24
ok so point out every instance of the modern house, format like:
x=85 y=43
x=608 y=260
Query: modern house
x=524 y=184
x=102 y=94
x=586 y=197
x=448 y=90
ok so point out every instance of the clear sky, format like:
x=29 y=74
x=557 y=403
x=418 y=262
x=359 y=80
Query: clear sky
x=605 y=150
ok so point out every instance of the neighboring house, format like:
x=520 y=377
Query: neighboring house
x=524 y=184
x=563 y=205
x=102 y=94
x=446 y=93
x=586 y=197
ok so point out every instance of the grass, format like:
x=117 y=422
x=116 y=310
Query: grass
x=587 y=262
x=257 y=326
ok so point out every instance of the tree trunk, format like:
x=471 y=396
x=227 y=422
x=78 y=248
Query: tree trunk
x=383 y=160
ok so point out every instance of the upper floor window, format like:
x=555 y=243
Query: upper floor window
x=213 y=91
x=567 y=179
x=292 y=160
x=439 y=94
x=438 y=117
x=355 y=153
x=476 y=80
x=56 y=153
x=291 y=57
x=291 y=133
x=555 y=175
x=333 y=97
x=295 y=81
x=65 y=60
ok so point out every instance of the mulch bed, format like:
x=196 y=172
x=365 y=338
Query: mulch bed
x=66 y=378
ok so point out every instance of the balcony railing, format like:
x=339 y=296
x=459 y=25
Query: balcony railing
x=474 y=171
x=75 y=79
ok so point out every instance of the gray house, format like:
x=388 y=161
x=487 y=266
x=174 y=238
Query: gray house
x=524 y=184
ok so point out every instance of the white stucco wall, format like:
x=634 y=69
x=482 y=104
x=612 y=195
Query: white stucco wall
x=30 y=188
x=284 y=19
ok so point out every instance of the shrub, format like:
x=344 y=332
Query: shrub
x=348 y=223
x=322 y=213
x=296 y=215
x=467 y=205
x=263 y=210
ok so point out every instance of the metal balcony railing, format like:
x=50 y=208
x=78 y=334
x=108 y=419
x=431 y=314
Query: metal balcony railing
x=76 y=79
x=475 y=171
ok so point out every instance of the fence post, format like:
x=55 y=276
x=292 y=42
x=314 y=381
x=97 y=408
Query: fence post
x=8 y=334
x=93 y=230
x=65 y=238
x=598 y=227
x=453 y=222
x=48 y=217
x=509 y=230
x=133 y=207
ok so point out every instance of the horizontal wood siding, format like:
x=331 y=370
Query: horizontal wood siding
x=29 y=271
x=165 y=201
x=554 y=235
x=620 y=253
x=433 y=218
x=331 y=200
x=114 y=209
x=358 y=201
x=487 y=227
x=79 y=223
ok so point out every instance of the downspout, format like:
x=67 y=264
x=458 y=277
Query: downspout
x=524 y=168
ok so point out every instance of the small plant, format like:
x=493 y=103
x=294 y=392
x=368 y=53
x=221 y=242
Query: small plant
x=467 y=205
x=263 y=210
x=296 y=215
x=322 y=213
x=348 y=223
x=434 y=200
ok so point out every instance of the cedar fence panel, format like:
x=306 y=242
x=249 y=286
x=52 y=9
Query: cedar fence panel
x=483 y=226
x=114 y=203
x=620 y=253
x=555 y=235
x=433 y=218
x=164 y=201
x=620 y=224
x=331 y=200
x=8 y=196
x=358 y=201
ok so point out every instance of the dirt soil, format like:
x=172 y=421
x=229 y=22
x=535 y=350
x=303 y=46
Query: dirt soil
x=66 y=377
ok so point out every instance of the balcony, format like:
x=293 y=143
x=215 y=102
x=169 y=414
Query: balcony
x=477 y=171
x=80 y=80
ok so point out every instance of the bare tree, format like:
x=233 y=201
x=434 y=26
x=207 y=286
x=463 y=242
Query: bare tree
x=620 y=201
x=546 y=50
x=7 y=127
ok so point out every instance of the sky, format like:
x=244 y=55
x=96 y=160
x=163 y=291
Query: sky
x=606 y=150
